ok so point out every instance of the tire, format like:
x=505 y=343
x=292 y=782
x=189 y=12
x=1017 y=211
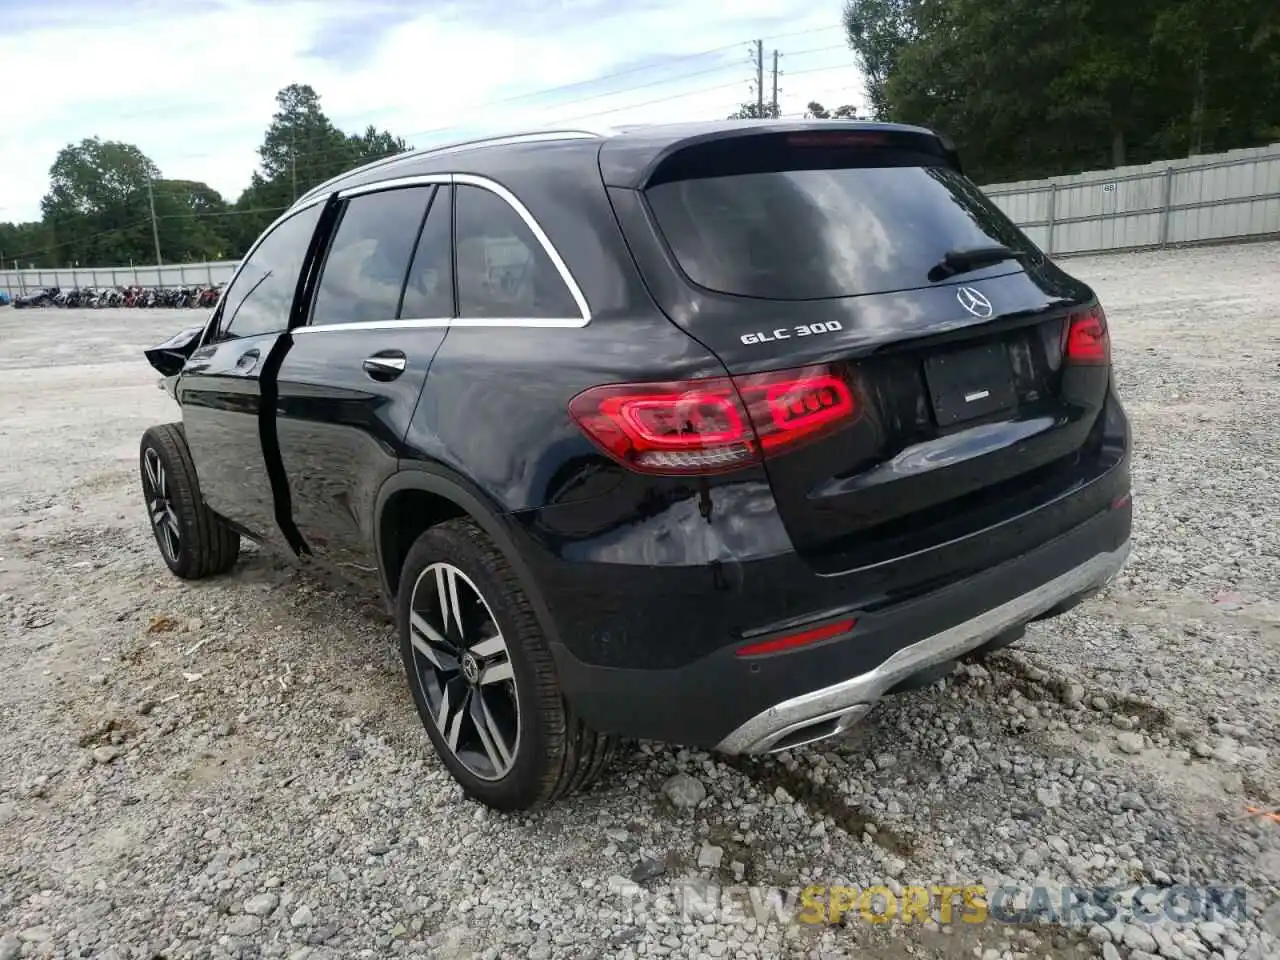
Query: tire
x=193 y=540
x=521 y=704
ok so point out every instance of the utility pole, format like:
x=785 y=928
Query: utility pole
x=293 y=162
x=760 y=79
x=776 y=112
x=155 y=226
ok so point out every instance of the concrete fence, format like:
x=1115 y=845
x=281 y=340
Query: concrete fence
x=1216 y=197
x=17 y=282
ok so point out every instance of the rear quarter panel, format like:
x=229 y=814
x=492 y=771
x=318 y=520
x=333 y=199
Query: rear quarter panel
x=495 y=407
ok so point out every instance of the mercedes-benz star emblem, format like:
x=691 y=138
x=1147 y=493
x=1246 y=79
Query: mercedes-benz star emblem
x=974 y=301
x=470 y=669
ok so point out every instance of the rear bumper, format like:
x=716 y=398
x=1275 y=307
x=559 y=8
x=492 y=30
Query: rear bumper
x=829 y=710
x=719 y=700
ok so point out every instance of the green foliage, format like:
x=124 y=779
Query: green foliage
x=97 y=211
x=751 y=111
x=817 y=111
x=877 y=32
x=1033 y=88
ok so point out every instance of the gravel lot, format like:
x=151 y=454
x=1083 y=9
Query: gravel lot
x=234 y=769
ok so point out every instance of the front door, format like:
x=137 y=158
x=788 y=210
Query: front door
x=350 y=381
x=220 y=388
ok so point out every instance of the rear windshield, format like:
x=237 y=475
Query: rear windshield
x=812 y=234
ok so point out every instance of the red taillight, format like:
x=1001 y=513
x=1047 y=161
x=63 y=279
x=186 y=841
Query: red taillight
x=693 y=427
x=712 y=425
x=792 y=406
x=1088 y=341
x=837 y=138
x=793 y=640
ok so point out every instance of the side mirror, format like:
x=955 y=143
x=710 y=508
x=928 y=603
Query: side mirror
x=170 y=357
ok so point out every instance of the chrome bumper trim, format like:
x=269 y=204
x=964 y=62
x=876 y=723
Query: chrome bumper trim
x=761 y=732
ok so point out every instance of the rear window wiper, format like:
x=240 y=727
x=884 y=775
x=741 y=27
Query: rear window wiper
x=964 y=259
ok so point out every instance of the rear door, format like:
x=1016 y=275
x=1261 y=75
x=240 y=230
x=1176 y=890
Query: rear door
x=872 y=259
x=349 y=384
x=220 y=388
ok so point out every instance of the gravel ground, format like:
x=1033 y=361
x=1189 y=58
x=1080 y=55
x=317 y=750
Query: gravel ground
x=234 y=768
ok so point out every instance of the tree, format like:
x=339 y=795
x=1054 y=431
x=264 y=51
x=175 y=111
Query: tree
x=99 y=206
x=97 y=209
x=751 y=111
x=375 y=144
x=191 y=221
x=1032 y=88
x=302 y=142
x=878 y=30
x=1029 y=89
x=1224 y=76
x=300 y=149
x=817 y=111
x=27 y=244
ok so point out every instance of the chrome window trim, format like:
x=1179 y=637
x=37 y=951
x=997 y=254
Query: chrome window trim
x=401 y=324
x=293 y=211
x=469 y=179
x=547 y=322
x=398 y=183
x=512 y=201
x=431 y=323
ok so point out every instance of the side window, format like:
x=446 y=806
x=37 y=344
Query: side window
x=503 y=271
x=261 y=295
x=428 y=295
x=369 y=255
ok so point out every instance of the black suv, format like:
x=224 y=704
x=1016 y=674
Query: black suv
x=710 y=433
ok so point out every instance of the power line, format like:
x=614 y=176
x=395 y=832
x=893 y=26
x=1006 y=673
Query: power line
x=329 y=154
x=596 y=80
x=358 y=119
x=326 y=155
x=93 y=236
x=192 y=215
x=197 y=214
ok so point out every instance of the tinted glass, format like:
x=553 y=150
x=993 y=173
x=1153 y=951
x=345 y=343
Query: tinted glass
x=365 y=268
x=808 y=234
x=429 y=292
x=259 y=299
x=503 y=271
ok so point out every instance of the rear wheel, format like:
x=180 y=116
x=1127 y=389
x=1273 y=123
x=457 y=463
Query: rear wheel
x=482 y=677
x=193 y=540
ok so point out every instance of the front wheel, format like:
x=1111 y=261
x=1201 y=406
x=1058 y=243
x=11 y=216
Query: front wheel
x=193 y=540
x=482 y=676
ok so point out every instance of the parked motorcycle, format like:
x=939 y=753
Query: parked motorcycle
x=95 y=298
x=37 y=298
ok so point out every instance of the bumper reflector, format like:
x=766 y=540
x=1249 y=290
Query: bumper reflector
x=793 y=640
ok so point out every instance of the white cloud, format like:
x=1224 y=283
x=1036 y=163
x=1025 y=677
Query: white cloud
x=195 y=87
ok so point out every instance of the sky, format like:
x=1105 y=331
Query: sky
x=193 y=82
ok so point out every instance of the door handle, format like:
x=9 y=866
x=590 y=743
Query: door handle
x=386 y=365
x=247 y=360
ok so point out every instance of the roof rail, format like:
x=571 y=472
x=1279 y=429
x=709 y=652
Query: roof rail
x=491 y=140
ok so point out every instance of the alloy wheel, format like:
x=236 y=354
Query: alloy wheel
x=464 y=671
x=160 y=506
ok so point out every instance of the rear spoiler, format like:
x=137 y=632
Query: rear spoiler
x=641 y=159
